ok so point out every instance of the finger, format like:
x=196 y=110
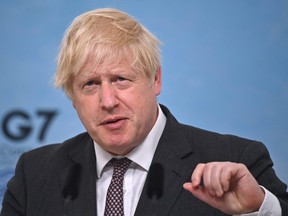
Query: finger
x=188 y=186
x=215 y=180
x=212 y=178
x=226 y=176
x=197 y=175
x=207 y=178
x=232 y=175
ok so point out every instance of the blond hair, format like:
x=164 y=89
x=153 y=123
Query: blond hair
x=105 y=36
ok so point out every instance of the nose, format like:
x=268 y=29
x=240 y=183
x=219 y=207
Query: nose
x=108 y=96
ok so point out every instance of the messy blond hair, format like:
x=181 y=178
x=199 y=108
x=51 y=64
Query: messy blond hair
x=105 y=36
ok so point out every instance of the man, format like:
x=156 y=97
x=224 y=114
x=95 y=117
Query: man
x=109 y=66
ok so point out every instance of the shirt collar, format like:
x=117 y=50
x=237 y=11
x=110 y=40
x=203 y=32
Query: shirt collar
x=141 y=155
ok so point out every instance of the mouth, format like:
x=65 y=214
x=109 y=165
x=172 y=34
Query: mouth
x=114 y=123
x=111 y=121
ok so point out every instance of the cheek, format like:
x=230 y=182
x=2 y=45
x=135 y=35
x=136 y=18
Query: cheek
x=85 y=109
x=144 y=106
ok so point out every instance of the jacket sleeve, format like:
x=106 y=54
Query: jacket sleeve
x=14 y=201
x=257 y=159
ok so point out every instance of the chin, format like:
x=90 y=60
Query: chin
x=120 y=149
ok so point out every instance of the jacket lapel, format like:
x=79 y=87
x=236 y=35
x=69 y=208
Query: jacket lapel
x=78 y=179
x=175 y=156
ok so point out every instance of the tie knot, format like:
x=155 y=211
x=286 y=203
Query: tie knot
x=120 y=166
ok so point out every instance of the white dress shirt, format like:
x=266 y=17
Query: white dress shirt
x=135 y=177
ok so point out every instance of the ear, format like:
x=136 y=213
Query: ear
x=158 y=81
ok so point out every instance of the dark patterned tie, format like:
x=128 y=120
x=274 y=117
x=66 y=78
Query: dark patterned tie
x=114 y=198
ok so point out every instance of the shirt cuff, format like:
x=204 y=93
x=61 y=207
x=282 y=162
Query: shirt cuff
x=269 y=207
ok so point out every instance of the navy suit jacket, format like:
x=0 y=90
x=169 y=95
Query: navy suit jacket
x=60 y=179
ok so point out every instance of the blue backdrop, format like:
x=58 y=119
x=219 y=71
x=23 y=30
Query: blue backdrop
x=224 y=66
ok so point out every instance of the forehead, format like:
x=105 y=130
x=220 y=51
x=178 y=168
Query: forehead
x=105 y=59
x=106 y=56
x=108 y=69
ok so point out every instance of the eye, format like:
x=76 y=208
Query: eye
x=121 y=79
x=122 y=82
x=90 y=83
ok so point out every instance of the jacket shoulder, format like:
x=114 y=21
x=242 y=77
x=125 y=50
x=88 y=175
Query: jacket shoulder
x=213 y=141
x=56 y=153
x=58 y=147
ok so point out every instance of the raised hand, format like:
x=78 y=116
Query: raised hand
x=229 y=187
